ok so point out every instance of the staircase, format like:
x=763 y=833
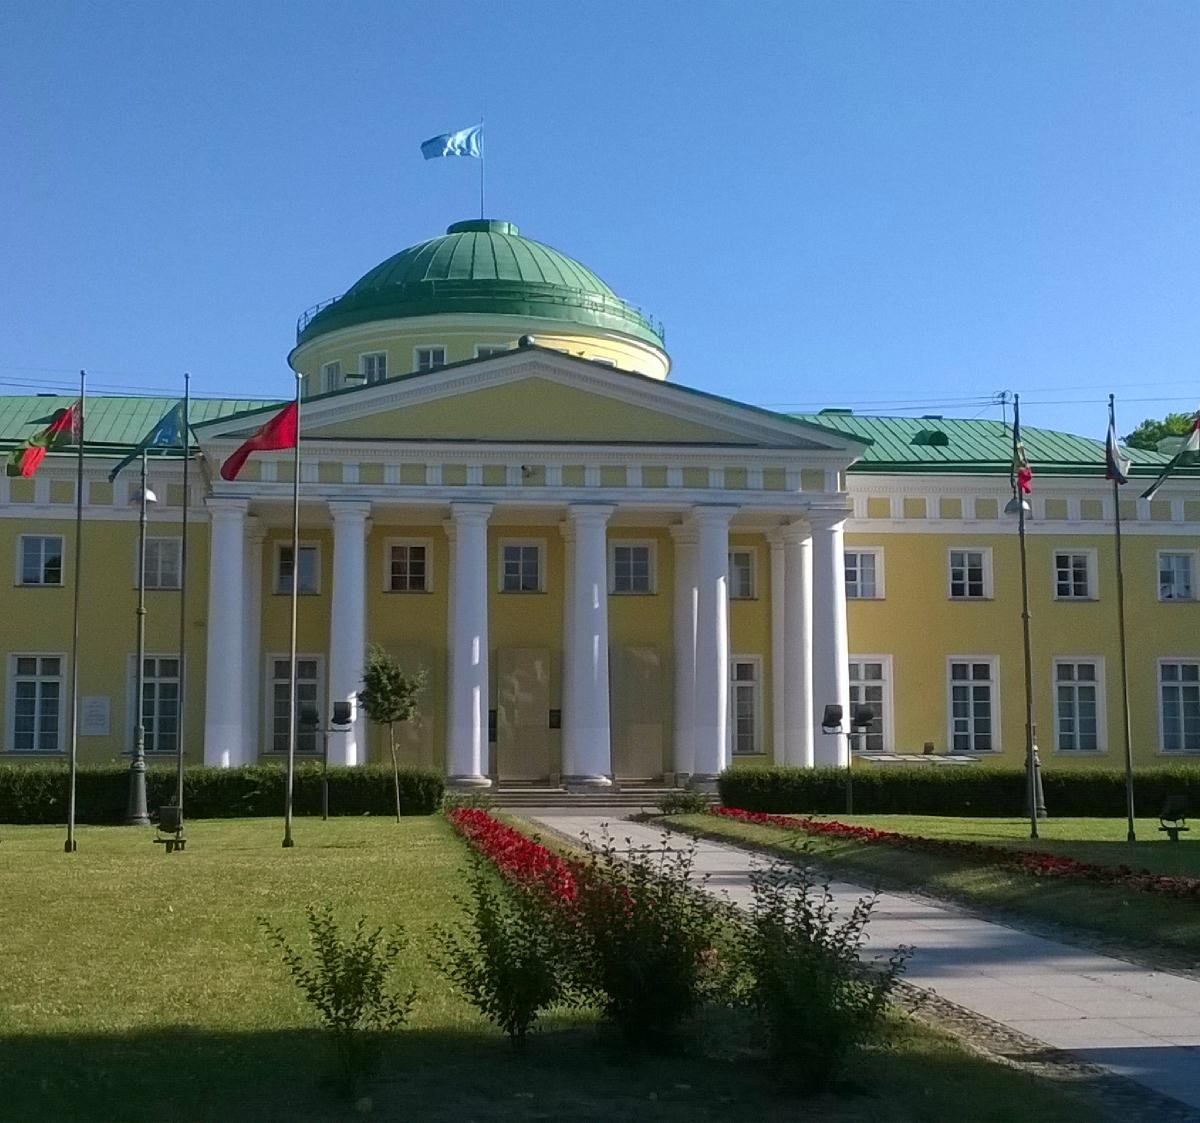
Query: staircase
x=628 y=797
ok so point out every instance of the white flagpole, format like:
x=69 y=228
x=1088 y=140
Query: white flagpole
x=181 y=719
x=482 y=154
x=70 y=845
x=291 y=757
x=1130 y=834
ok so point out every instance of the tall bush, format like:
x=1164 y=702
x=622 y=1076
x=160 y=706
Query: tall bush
x=389 y=695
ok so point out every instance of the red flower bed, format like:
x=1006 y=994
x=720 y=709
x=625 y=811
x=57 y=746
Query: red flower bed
x=1040 y=863
x=514 y=854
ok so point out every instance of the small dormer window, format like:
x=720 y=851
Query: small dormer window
x=430 y=358
x=487 y=350
x=331 y=377
x=373 y=367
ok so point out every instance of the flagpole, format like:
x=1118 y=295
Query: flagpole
x=1022 y=505
x=1130 y=835
x=181 y=720
x=70 y=845
x=136 y=811
x=291 y=757
x=482 y=154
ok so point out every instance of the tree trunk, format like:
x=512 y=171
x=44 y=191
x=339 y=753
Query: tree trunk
x=395 y=767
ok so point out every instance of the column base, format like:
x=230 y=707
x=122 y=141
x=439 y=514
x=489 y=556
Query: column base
x=701 y=782
x=468 y=783
x=580 y=785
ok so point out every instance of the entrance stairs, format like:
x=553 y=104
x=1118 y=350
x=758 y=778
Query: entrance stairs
x=619 y=795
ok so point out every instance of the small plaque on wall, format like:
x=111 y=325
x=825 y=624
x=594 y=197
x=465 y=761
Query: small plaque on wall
x=94 y=714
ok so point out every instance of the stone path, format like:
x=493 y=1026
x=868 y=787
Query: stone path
x=1130 y=1020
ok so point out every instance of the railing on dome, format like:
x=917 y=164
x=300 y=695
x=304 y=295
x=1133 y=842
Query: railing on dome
x=519 y=291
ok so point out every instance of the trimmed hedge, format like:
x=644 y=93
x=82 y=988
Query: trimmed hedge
x=37 y=793
x=965 y=790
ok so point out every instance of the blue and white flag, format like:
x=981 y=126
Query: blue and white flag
x=465 y=142
x=168 y=433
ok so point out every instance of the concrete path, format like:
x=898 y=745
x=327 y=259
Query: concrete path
x=1133 y=1021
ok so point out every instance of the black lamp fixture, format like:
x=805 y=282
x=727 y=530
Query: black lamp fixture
x=831 y=720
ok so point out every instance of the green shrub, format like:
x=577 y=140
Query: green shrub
x=37 y=793
x=982 y=790
x=684 y=803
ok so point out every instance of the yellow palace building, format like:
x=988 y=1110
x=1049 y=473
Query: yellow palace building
x=606 y=575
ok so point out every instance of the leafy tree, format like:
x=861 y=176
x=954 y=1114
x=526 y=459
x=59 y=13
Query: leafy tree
x=1150 y=432
x=389 y=695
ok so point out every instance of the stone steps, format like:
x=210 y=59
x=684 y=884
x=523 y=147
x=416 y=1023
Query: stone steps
x=626 y=797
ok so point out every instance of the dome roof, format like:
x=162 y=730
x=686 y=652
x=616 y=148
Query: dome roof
x=481 y=266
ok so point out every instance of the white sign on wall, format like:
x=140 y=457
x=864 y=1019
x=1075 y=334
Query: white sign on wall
x=94 y=715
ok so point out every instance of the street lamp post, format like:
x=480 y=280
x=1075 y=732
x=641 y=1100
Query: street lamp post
x=136 y=812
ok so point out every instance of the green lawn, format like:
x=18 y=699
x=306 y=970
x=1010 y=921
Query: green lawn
x=1143 y=922
x=136 y=986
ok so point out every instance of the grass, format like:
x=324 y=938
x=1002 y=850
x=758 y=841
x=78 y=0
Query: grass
x=1144 y=923
x=137 y=986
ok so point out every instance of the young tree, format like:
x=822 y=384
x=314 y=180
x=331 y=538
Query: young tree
x=1150 y=432
x=389 y=695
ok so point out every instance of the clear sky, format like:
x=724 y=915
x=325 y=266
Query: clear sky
x=900 y=207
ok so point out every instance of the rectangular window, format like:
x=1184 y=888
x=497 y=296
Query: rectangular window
x=1073 y=575
x=408 y=567
x=308 y=691
x=969 y=576
x=41 y=559
x=869 y=687
x=487 y=350
x=743 y=688
x=1078 y=701
x=310 y=570
x=521 y=568
x=1179 y=696
x=160 y=703
x=1175 y=577
x=632 y=568
x=864 y=574
x=163 y=557
x=373 y=367
x=972 y=701
x=331 y=377
x=37 y=697
x=741 y=574
x=430 y=358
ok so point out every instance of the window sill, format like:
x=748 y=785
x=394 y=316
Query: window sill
x=38 y=585
x=36 y=754
x=522 y=592
x=288 y=593
x=1179 y=600
x=970 y=600
x=633 y=593
x=1076 y=600
x=409 y=592
x=1080 y=752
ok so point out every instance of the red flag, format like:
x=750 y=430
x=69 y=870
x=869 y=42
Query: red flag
x=279 y=432
x=65 y=428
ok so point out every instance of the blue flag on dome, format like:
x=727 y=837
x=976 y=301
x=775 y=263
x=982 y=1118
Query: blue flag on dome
x=465 y=142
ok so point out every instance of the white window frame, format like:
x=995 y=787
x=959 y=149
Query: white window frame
x=877 y=553
x=131 y=700
x=988 y=588
x=156 y=587
x=1093 y=592
x=10 y=729
x=388 y=546
x=1193 y=556
x=494 y=349
x=753 y=594
x=731 y=726
x=271 y=658
x=62 y=568
x=647 y=544
x=1101 y=702
x=281 y=590
x=502 y=545
x=416 y=361
x=888 y=715
x=365 y=359
x=994 y=662
x=1162 y=724
x=331 y=377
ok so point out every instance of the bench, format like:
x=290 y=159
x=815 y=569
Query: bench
x=1173 y=818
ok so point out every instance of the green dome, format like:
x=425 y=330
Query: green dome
x=481 y=266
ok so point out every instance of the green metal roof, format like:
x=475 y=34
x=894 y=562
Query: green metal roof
x=960 y=445
x=481 y=266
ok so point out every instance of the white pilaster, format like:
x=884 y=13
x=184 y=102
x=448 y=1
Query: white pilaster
x=797 y=635
x=466 y=750
x=684 y=752
x=224 y=737
x=252 y=626
x=348 y=627
x=831 y=653
x=711 y=726
x=587 y=739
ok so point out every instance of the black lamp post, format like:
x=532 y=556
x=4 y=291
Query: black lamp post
x=831 y=723
x=339 y=721
x=136 y=812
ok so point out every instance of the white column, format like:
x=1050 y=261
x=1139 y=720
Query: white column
x=711 y=728
x=797 y=635
x=778 y=650
x=831 y=652
x=684 y=753
x=587 y=737
x=348 y=627
x=466 y=749
x=252 y=615
x=568 y=533
x=224 y=737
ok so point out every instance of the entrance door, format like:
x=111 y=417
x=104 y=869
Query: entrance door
x=636 y=712
x=523 y=714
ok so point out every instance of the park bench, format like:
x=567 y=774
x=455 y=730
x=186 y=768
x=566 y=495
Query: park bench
x=169 y=829
x=1173 y=819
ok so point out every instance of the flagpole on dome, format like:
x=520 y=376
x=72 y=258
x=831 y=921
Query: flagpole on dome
x=1117 y=470
x=291 y=752
x=482 y=163
x=70 y=845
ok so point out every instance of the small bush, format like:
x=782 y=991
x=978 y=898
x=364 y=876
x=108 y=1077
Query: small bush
x=478 y=800
x=817 y=999
x=684 y=803
x=347 y=985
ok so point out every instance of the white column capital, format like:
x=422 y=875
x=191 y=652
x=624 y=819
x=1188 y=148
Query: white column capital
x=466 y=512
x=222 y=507
x=828 y=518
x=712 y=515
x=590 y=513
x=794 y=532
x=349 y=511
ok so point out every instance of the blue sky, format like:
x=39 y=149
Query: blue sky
x=901 y=207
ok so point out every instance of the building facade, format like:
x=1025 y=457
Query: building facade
x=605 y=575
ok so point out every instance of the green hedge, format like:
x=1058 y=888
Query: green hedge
x=963 y=790
x=37 y=793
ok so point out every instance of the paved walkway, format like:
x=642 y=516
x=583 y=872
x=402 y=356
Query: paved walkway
x=1133 y=1021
